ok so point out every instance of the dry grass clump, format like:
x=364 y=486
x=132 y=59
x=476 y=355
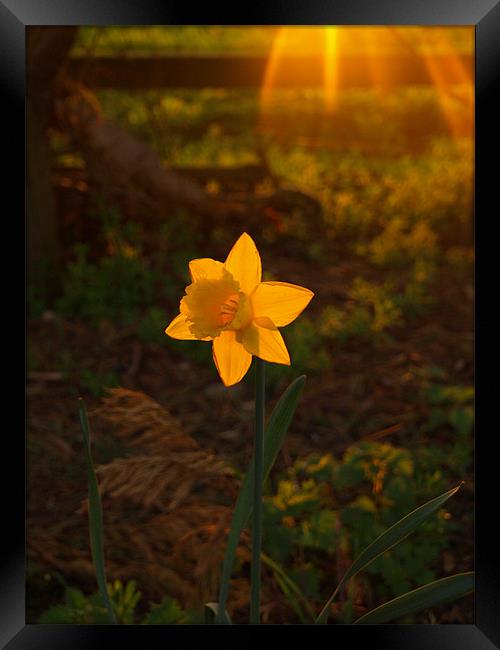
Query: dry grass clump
x=167 y=507
x=166 y=464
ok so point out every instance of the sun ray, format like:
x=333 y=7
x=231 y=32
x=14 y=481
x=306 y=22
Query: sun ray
x=331 y=70
x=453 y=83
x=331 y=59
x=278 y=48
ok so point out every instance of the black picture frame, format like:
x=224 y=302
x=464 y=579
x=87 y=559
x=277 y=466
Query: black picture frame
x=15 y=16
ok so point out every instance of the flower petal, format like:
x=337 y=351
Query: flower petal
x=243 y=262
x=264 y=321
x=179 y=329
x=280 y=301
x=265 y=343
x=231 y=358
x=205 y=267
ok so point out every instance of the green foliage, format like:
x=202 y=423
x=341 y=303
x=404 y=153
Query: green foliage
x=372 y=194
x=374 y=310
x=36 y=305
x=450 y=395
x=338 y=507
x=308 y=350
x=384 y=479
x=102 y=41
x=291 y=590
x=95 y=518
x=79 y=609
x=388 y=540
x=97 y=383
x=395 y=197
x=452 y=411
x=151 y=328
x=125 y=600
x=163 y=39
x=114 y=288
x=274 y=434
x=168 y=612
x=434 y=593
x=461 y=260
x=306 y=346
x=371 y=311
x=402 y=242
x=125 y=285
x=372 y=201
x=378 y=302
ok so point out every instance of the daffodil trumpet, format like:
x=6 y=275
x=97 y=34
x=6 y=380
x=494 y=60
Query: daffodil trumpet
x=228 y=304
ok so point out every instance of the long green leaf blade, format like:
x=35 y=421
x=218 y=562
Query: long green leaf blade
x=96 y=525
x=290 y=588
x=386 y=541
x=211 y=611
x=435 y=593
x=274 y=435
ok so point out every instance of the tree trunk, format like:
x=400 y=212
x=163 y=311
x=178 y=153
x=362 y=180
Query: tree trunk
x=47 y=52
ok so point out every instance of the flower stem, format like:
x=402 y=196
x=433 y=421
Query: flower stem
x=257 y=498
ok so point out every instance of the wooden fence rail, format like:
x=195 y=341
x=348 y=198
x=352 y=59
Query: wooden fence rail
x=144 y=73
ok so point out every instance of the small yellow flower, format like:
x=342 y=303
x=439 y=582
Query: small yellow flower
x=229 y=305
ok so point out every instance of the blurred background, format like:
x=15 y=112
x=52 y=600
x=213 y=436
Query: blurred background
x=347 y=154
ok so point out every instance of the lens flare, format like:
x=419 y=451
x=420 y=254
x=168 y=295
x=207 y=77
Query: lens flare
x=333 y=59
x=453 y=83
x=331 y=69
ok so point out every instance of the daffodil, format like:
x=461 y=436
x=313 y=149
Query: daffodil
x=227 y=303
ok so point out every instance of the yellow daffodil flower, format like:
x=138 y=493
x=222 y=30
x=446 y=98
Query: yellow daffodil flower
x=229 y=305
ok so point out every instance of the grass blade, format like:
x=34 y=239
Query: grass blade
x=96 y=525
x=435 y=593
x=387 y=540
x=291 y=590
x=274 y=435
x=211 y=611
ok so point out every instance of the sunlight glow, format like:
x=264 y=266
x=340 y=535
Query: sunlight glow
x=454 y=105
x=374 y=58
x=331 y=70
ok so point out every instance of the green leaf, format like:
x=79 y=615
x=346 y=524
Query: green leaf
x=290 y=589
x=462 y=419
x=435 y=593
x=129 y=592
x=96 y=525
x=274 y=435
x=75 y=598
x=168 y=612
x=57 y=614
x=387 y=540
x=212 y=614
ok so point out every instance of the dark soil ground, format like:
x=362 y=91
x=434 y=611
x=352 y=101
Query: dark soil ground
x=371 y=392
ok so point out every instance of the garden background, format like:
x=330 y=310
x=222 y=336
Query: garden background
x=347 y=154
